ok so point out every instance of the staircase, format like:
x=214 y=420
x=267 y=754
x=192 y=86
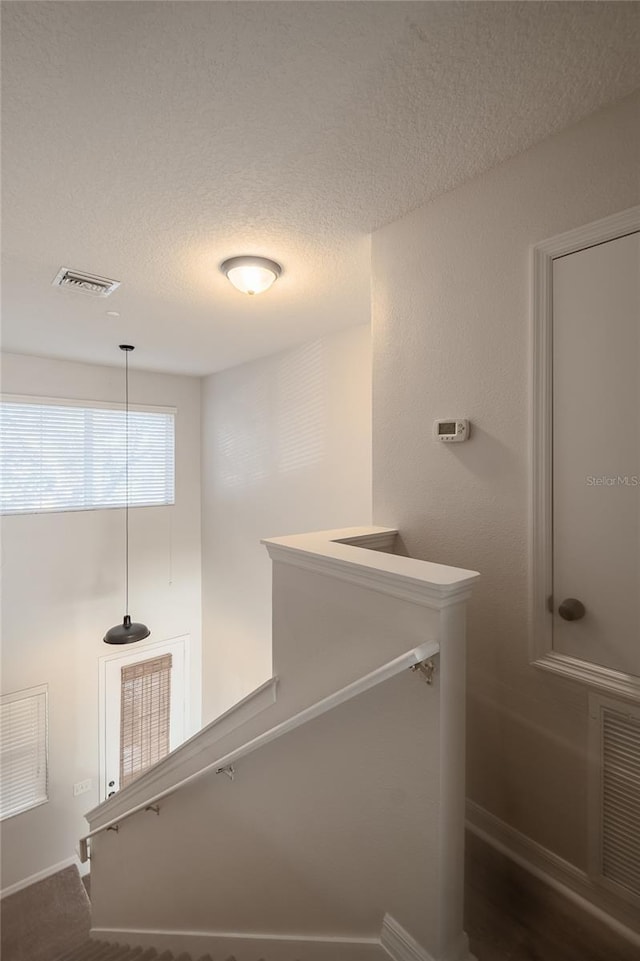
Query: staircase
x=102 y=951
x=329 y=824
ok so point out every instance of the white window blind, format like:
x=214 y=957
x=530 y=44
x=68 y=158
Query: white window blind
x=145 y=714
x=23 y=751
x=58 y=457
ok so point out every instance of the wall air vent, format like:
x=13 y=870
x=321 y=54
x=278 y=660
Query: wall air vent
x=615 y=795
x=85 y=283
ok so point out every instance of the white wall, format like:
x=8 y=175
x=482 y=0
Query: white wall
x=356 y=813
x=451 y=338
x=286 y=448
x=323 y=831
x=63 y=583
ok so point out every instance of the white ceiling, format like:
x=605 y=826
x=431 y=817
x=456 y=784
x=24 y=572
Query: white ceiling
x=148 y=141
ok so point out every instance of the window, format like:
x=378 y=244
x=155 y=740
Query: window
x=59 y=456
x=23 y=751
x=145 y=712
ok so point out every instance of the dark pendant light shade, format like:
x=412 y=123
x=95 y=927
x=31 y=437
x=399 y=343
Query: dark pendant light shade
x=127 y=632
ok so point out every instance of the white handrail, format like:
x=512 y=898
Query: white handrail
x=222 y=764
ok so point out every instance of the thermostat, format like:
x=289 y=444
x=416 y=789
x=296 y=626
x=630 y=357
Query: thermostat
x=451 y=430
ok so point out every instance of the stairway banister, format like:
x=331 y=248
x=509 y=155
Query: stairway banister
x=411 y=659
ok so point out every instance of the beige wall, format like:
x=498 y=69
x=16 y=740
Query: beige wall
x=63 y=576
x=286 y=448
x=451 y=338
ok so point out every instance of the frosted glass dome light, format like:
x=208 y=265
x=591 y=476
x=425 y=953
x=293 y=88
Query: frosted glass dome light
x=251 y=275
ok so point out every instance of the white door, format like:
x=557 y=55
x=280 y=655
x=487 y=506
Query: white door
x=596 y=455
x=113 y=733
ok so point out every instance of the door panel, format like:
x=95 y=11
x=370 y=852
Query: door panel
x=110 y=763
x=596 y=453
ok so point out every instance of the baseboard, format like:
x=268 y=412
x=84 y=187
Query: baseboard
x=400 y=946
x=248 y=947
x=394 y=943
x=553 y=870
x=42 y=875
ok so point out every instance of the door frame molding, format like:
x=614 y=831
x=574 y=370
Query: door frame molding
x=541 y=651
x=144 y=649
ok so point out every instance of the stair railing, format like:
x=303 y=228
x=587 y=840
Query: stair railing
x=417 y=660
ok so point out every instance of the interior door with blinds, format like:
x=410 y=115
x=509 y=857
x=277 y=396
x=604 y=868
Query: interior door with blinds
x=145 y=701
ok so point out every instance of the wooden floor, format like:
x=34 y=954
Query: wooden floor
x=512 y=916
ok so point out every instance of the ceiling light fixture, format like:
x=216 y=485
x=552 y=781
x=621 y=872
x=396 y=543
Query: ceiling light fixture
x=127 y=632
x=251 y=275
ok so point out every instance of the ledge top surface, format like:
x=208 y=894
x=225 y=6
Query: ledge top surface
x=347 y=548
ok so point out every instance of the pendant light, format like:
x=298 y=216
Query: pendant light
x=128 y=631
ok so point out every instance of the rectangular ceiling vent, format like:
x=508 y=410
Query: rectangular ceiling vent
x=85 y=283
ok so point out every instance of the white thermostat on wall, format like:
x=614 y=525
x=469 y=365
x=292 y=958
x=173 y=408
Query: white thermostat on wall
x=451 y=430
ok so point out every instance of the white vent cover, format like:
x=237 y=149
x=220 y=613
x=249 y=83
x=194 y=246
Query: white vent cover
x=85 y=283
x=615 y=796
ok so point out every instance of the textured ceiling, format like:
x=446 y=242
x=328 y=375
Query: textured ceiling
x=147 y=141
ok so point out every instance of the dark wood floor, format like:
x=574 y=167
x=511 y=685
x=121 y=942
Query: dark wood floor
x=512 y=916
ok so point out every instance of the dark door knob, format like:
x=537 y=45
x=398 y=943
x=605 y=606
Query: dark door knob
x=572 y=609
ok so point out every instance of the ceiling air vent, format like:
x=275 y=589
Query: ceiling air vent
x=86 y=283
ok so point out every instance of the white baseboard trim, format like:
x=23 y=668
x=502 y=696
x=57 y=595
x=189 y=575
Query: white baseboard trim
x=41 y=875
x=394 y=943
x=553 y=870
x=248 y=947
x=400 y=946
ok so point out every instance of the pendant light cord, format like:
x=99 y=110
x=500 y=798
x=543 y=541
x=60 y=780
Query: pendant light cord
x=126 y=633
x=126 y=460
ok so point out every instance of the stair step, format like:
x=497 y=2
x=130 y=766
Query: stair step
x=142 y=954
x=108 y=952
x=104 y=951
x=86 y=951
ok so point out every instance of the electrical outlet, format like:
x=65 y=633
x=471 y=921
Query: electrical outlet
x=82 y=787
